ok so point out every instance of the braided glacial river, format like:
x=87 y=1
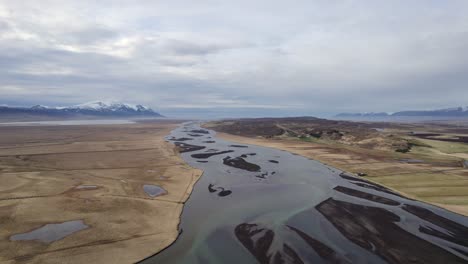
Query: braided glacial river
x=262 y=205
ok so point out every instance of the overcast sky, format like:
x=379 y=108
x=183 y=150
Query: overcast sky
x=243 y=57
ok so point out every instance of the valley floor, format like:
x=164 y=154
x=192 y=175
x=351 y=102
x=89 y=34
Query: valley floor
x=96 y=175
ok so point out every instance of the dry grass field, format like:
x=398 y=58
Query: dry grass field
x=94 y=174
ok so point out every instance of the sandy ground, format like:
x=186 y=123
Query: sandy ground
x=445 y=185
x=40 y=168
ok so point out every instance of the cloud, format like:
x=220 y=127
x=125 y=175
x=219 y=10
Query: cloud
x=89 y=36
x=181 y=47
x=311 y=57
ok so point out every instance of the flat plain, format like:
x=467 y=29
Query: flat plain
x=55 y=175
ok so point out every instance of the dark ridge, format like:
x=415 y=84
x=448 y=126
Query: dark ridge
x=457 y=233
x=367 y=196
x=247 y=154
x=180 y=139
x=184 y=147
x=211 y=188
x=274 y=161
x=433 y=136
x=253 y=127
x=224 y=193
x=324 y=251
x=376 y=230
x=207 y=155
x=379 y=188
x=209 y=141
x=195 y=135
x=256 y=240
x=202 y=161
x=238 y=146
x=200 y=131
x=241 y=163
x=346 y=176
x=368 y=184
x=292 y=256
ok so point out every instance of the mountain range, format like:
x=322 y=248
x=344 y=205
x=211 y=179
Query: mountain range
x=447 y=112
x=96 y=109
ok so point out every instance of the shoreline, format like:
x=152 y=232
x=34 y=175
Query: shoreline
x=258 y=194
x=124 y=224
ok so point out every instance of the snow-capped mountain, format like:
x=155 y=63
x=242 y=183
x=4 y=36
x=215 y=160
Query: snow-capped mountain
x=96 y=108
x=108 y=106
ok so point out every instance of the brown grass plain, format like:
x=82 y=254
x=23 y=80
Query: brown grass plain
x=42 y=166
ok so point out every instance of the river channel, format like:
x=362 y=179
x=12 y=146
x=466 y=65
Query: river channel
x=262 y=205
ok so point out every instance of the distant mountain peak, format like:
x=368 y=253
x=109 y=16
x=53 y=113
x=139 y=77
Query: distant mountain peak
x=366 y=114
x=109 y=105
x=94 y=108
x=39 y=107
x=445 y=112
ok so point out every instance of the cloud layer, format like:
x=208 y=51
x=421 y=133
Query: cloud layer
x=249 y=58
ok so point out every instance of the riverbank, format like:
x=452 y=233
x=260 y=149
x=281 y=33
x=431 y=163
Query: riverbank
x=123 y=184
x=258 y=204
x=414 y=180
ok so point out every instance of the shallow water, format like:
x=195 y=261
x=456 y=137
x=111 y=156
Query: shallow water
x=153 y=190
x=248 y=209
x=52 y=232
x=86 y=187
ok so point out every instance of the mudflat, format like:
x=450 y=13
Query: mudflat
x=96 y=194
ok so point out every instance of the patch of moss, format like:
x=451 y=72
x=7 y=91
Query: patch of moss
x=410 y=143
x=316 y=134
